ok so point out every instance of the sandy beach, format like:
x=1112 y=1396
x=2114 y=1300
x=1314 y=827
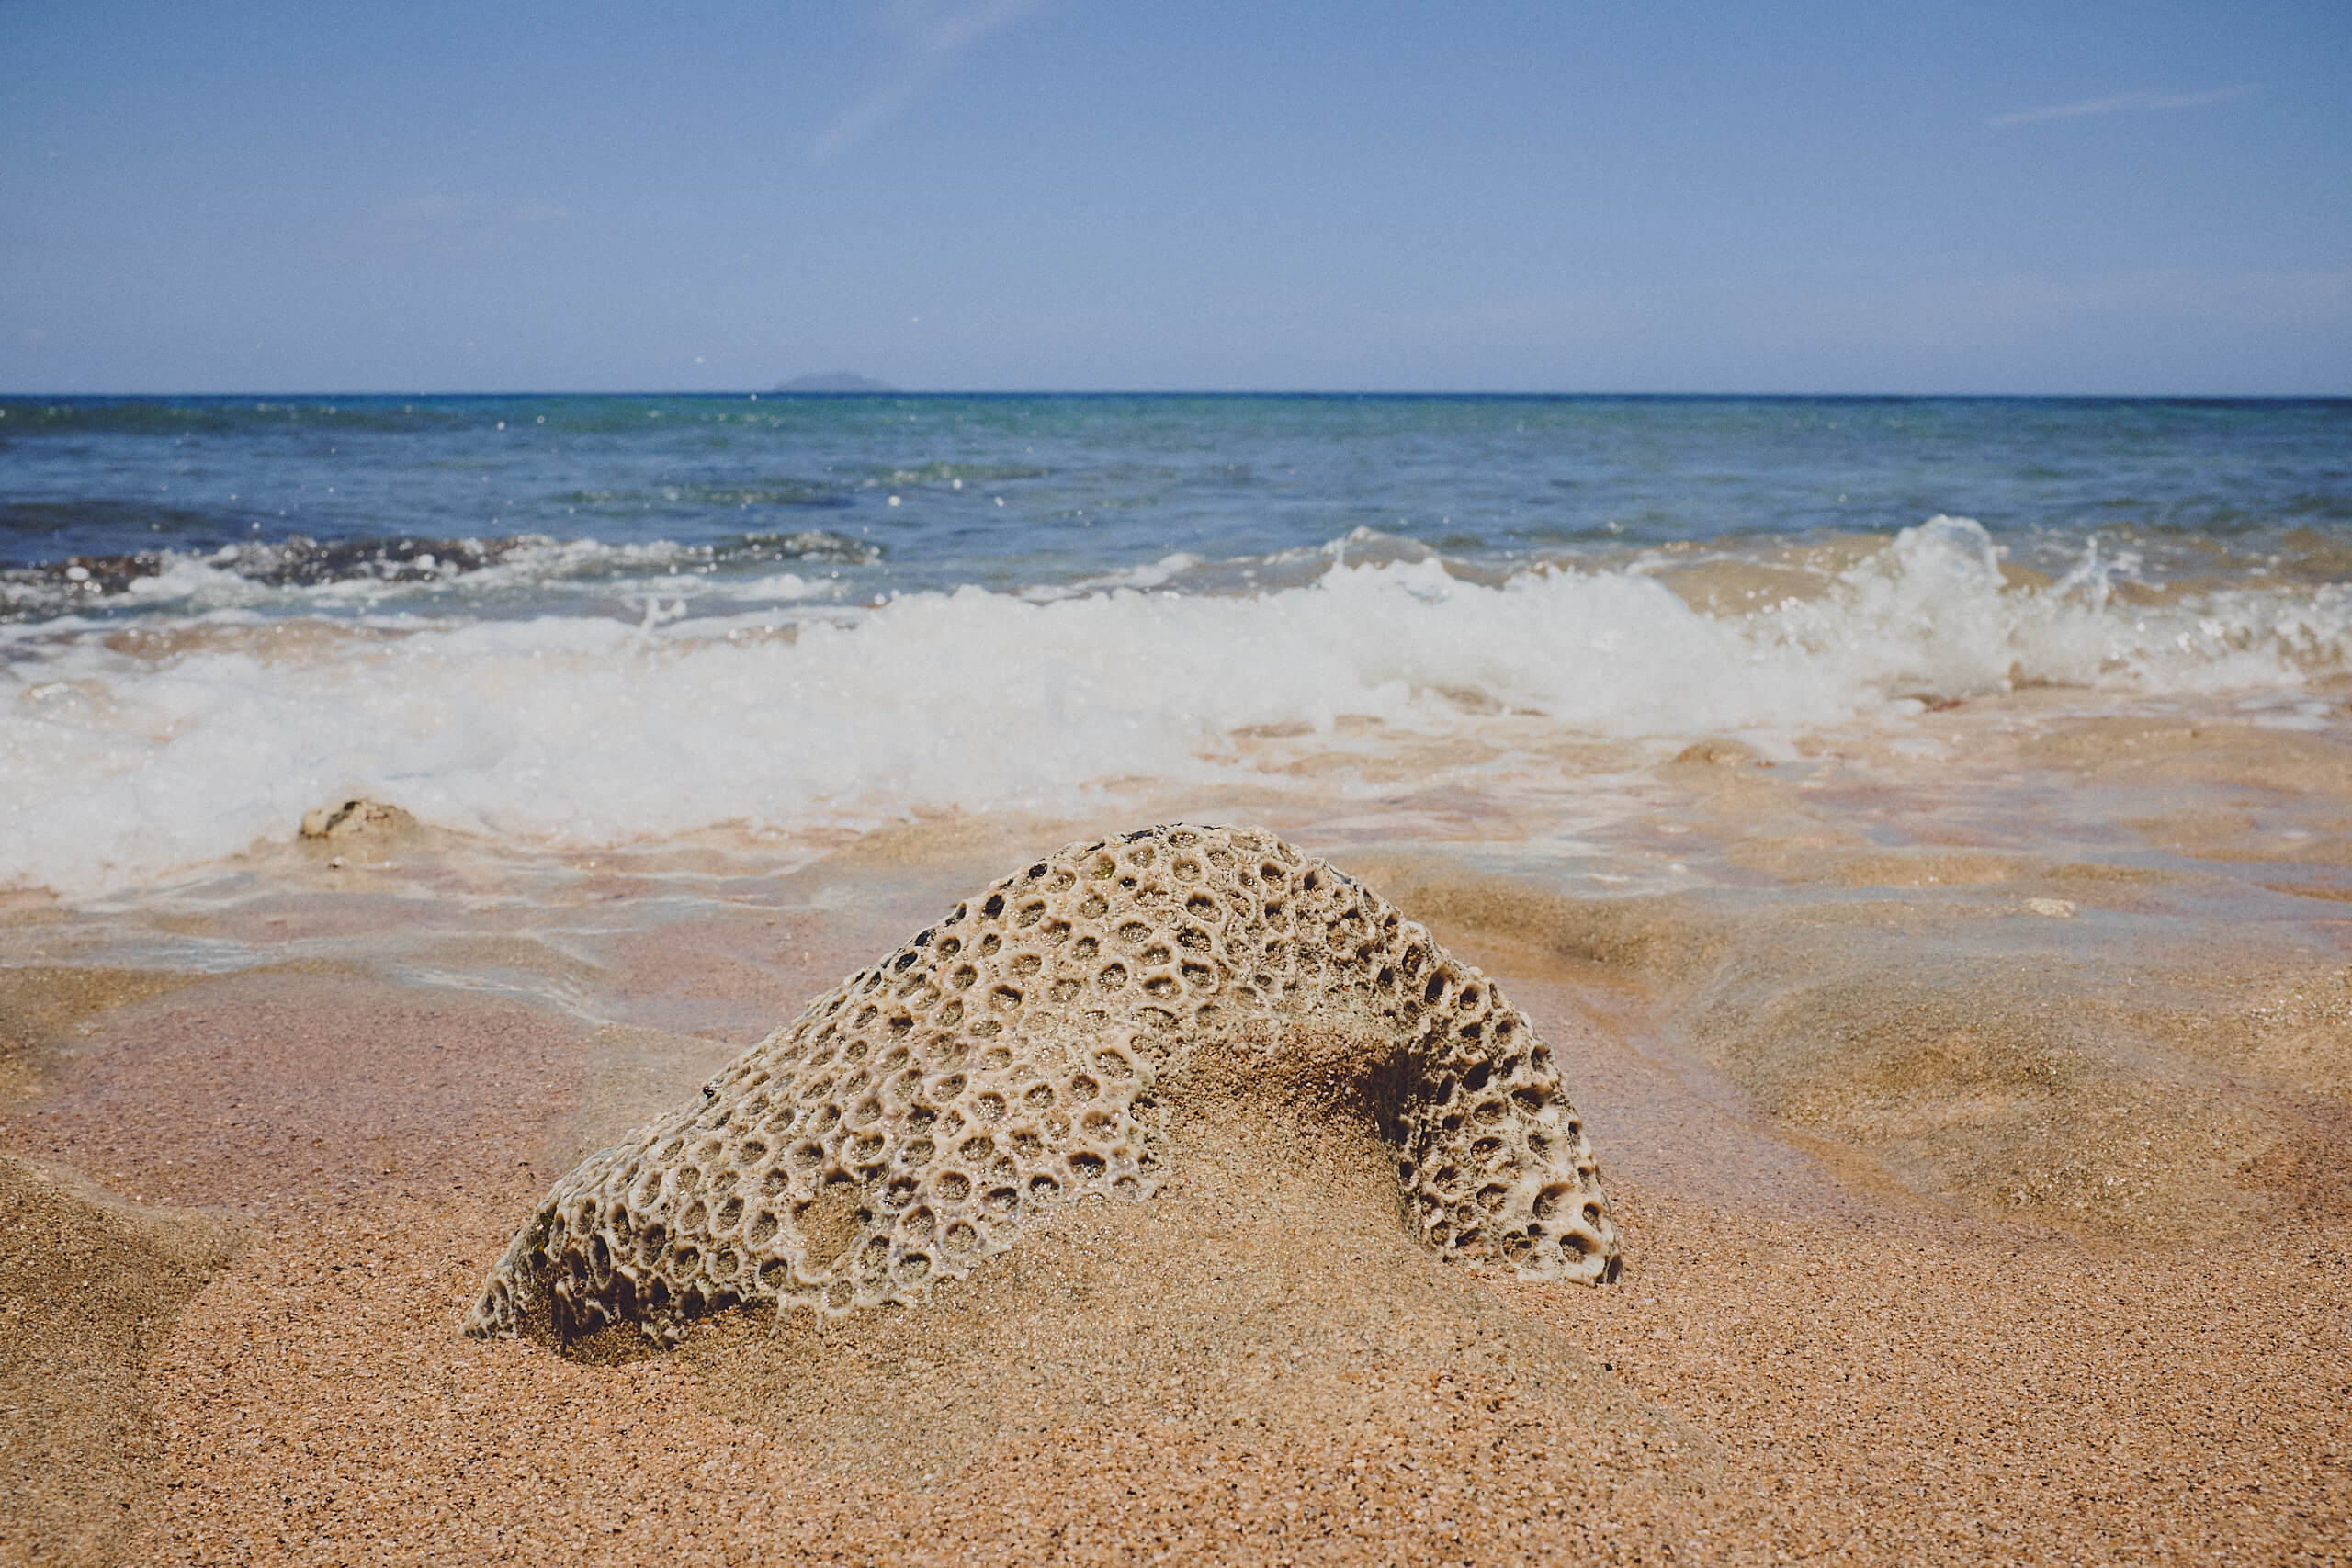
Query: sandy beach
x=1979 y=1139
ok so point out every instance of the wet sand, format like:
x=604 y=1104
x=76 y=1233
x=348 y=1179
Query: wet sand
x=1979 y=1122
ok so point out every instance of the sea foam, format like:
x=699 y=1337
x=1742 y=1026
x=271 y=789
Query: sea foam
x=121 y=763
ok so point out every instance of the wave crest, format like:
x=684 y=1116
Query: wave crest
x=124 y=759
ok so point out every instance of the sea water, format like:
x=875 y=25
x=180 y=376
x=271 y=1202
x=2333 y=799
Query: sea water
x=579 y=622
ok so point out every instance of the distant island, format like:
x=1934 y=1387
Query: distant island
x=835 y=382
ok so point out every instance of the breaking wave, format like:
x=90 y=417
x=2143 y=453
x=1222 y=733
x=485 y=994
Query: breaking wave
x=127 y=752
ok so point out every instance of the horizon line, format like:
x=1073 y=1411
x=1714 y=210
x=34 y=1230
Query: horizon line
x=755 y=394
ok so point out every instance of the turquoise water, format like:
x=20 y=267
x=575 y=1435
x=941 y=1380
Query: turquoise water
x=876 y=494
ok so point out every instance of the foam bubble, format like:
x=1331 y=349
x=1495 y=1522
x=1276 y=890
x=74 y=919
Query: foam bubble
x=577 y=730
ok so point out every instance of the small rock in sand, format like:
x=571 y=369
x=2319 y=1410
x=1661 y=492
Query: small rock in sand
x=349 y=818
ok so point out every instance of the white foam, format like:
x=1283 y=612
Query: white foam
x=589 y=731
x=1167 y=568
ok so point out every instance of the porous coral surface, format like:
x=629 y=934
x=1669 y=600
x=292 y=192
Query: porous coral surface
x=1025 y=1051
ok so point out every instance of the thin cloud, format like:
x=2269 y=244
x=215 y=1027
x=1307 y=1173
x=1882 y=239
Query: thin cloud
x=2123 y=102
x=934 y=38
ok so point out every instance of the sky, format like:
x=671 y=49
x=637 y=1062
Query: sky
x=1386 y=195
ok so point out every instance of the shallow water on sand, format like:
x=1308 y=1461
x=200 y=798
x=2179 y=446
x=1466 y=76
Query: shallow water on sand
x=1994 y=947
x=1967 y=1092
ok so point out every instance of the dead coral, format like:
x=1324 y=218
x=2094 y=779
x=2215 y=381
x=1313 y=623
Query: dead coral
x=1025 y=1051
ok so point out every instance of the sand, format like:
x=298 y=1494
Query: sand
x=1983 y=1196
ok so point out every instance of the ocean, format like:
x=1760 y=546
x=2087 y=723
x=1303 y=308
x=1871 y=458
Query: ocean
x=584 y=622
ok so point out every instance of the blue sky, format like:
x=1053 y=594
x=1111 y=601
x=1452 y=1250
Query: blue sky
x=1017 y=194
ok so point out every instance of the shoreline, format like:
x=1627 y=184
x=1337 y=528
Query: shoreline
x=1895 y=997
